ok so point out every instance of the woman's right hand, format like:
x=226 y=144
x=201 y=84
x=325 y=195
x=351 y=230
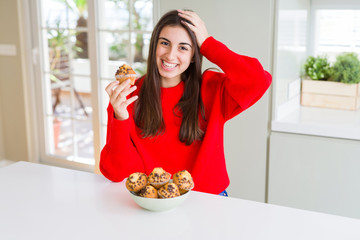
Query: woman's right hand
x=118 y=93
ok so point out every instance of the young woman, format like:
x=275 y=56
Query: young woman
x=173 y=117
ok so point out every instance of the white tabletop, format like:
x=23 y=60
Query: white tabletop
x=43 y=202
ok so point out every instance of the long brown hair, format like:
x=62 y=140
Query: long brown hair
x=148 y=112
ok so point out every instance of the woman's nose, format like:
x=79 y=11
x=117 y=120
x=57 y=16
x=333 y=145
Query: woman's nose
x=172 y=53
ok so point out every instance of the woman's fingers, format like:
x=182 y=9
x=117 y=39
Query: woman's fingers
x=118 y=93
x=109 y=88
x=122 y=95
x=130 y=100
x=120 y=102
x=196 y=25
x=191 y=17
x=115 y=85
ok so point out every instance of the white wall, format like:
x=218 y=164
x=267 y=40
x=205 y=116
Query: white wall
x=246 y=28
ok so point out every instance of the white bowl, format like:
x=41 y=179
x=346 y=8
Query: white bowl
x=159 y=204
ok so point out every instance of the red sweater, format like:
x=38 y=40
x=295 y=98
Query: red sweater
x=224 y=95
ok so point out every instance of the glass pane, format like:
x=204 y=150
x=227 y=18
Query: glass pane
x=79 y=44
x=57 y=100
x=104 y=98
x=114 y=15
x=58 y=50
x=117 y=45
x=61 y=99
x=140 y=50
x=337 y=31
x=80 y=66
x=64 y=14
x=142 y=15
x=54 y=14
x=84 y=141
x=140 y=46
x=78 y=13
x=82 y=93
x=114 y=50
x=103 y=136
x=80 y=63
x=48 y=94
x=60 y=137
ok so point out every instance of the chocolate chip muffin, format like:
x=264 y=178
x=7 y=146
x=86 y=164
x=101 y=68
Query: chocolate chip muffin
x=148 y=192
x=136 y=181
x=125 y=72
x=159 y=177
x=169 y=190
x=184 y=181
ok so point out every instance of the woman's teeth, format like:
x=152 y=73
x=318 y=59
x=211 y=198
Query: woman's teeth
x=169 y=65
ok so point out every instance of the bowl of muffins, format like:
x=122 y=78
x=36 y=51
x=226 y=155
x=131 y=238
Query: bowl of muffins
x=158 y=192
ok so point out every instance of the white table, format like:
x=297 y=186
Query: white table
x=43 y=202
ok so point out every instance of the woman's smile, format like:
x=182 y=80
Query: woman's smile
x=168 y=66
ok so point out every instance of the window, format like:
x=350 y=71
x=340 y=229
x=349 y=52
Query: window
x=337 y=31
x=303 y=28
x=82 y=43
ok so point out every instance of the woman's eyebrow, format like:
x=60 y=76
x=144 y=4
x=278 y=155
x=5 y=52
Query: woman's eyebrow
x=164 y=39
x=185 y=43
x=182 y=43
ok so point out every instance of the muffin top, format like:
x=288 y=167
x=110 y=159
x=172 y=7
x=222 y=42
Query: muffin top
x=169 y=190
x=184 y=180
x=136 y=181
x=148 y=192
x=124 y=70
x=159 y=175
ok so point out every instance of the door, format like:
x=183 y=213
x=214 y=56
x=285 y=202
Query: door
x=77 y=47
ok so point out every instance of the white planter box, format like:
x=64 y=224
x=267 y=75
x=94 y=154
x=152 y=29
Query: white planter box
x=328 y=94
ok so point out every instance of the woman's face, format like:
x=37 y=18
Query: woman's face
x=174 y=53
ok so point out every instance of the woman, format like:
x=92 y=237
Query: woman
x=173 y=117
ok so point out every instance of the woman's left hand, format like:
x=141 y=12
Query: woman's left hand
x=197 y=26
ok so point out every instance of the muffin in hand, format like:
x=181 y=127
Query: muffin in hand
x=125 y=72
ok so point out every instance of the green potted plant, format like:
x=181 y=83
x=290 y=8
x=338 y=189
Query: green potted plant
x=346 y=69
x=317 y=68
x=339 y=87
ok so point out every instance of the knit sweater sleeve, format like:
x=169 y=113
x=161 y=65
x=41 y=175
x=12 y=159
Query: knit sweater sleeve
x=119 y=157
x=244 y=79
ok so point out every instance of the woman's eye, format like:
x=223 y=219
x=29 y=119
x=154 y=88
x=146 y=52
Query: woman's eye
x=183 y=48
x=164 y=43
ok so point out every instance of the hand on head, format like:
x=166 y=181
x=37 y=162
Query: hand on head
x=197 y=26
x=118 y=93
